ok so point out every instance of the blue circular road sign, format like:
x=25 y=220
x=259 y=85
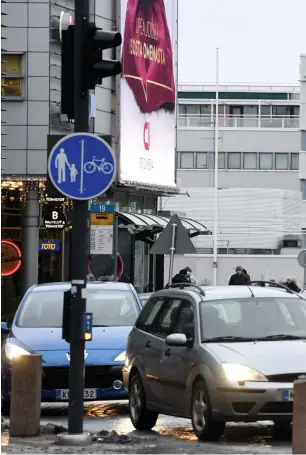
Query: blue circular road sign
x=82 y=166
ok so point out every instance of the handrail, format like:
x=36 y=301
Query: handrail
x=182 y=285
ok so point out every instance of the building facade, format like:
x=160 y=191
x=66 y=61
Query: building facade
x=31 y=96
x=260 y=209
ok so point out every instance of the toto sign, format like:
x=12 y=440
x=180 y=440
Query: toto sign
x=10 y=258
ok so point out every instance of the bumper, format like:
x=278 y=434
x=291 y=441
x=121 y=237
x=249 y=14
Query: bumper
x=253 y=402
x=100 y=378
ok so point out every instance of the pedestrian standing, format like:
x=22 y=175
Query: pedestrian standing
x=239 y=278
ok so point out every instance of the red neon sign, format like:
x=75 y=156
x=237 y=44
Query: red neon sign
x=10 y=258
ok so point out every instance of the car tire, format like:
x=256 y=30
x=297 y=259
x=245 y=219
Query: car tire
x=141 y=417
x=282 y=431
x=5 y=407
x=204 y=427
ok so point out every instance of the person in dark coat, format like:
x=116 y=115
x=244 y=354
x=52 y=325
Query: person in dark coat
x=291 y=284
x=181 y=277
x=247 y=275
x=239 y=278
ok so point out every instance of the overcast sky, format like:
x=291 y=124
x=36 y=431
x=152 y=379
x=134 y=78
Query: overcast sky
x=260 y=41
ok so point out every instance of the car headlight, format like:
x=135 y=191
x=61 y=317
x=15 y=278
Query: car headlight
x=241 y=373
x=120 y=357
x=12 y=351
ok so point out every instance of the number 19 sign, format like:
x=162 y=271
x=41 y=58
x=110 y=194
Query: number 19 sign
x=82 y=166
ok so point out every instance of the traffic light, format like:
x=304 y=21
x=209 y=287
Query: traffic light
x=98 y=68
x=67 y=72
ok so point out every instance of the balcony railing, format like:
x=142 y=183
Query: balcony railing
x=246 y=121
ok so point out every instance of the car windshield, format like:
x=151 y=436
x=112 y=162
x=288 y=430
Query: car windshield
x=109 y=308
x=253 y=319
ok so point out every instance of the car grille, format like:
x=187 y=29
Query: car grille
x=285 y=377
x=95 y=377
x=277 y=407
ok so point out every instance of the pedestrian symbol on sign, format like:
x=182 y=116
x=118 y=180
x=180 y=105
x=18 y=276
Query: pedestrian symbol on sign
x=82 y=166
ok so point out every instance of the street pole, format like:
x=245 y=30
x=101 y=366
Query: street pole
x=216 y=208
x=172 y=252
x=79 y=255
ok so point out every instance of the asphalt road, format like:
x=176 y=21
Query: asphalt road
x=172 y=433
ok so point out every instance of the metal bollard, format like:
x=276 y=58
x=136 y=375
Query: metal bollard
x=299 y=417
x=26 y=396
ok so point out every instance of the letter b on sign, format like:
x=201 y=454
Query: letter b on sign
x=54 y=215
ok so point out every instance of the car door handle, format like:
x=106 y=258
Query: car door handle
x=168 y=353
x=148 y=344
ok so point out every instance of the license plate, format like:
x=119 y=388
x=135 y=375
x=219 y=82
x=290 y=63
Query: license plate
x=89 y=394
x=288 y=395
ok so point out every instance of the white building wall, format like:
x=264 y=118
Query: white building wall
x=248 y=217
x=259 y=267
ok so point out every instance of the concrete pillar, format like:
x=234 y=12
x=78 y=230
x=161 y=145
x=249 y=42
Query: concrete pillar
x=26 y=396
x=30 y=240
x=299 y=418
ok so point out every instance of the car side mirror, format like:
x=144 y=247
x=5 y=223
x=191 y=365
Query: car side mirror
x=177 y=339
x=4 y=327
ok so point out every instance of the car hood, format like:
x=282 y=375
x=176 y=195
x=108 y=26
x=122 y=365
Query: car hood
x=43 y=339
x=267 y=357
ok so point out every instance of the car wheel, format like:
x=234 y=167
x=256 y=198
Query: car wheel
x=5 y=407
x=203 y=424
x=282 y=431
x=140 y=416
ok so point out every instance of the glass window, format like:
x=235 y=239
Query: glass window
x=192 y=109
x=234 y=160
x=265 y=111
x=205 y=109
x=201 y=160
x=182 y=109
x=221 y=160
x=147 y=316
x=254 y=318
x=249 y=161
x=167 y=318
x=186 y=160
x=12 y=82
x=11 y=64
x=109 y=308
x=185 y=321
x=266 y=161
x=281 y=161
x=294 y=165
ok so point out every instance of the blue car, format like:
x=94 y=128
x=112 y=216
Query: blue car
x=37 y=329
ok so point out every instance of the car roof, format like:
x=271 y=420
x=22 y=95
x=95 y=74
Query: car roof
x=109 y=285
x=227 y=292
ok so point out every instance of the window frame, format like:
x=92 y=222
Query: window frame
x=193 y=160
x=291 y=159
x=19 y=76
x=228 y=161
x=265 y=169
x=196 y=160
x=278 y=155
x=185 y=302
x=256 y=161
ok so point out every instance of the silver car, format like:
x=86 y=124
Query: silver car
x=215 y=355
x=144 y=297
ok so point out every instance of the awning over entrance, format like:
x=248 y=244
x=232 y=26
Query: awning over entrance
x=154 y=224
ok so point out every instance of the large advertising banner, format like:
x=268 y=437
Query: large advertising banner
x=148 y=92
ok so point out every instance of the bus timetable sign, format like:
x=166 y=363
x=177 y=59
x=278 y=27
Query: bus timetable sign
x=55 y=220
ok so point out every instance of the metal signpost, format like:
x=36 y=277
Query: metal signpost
x=302 y=262
x=174 y=240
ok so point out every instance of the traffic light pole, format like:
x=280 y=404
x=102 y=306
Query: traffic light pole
x=79 y=256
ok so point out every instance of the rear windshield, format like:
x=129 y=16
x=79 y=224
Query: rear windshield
x=109 y=308
x=253 y=317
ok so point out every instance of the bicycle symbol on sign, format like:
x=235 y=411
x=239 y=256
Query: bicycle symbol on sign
x=99 y=165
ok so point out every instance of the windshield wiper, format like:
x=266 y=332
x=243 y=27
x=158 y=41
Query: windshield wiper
x=282 y=336
x=100 y=325
x=227 y=338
